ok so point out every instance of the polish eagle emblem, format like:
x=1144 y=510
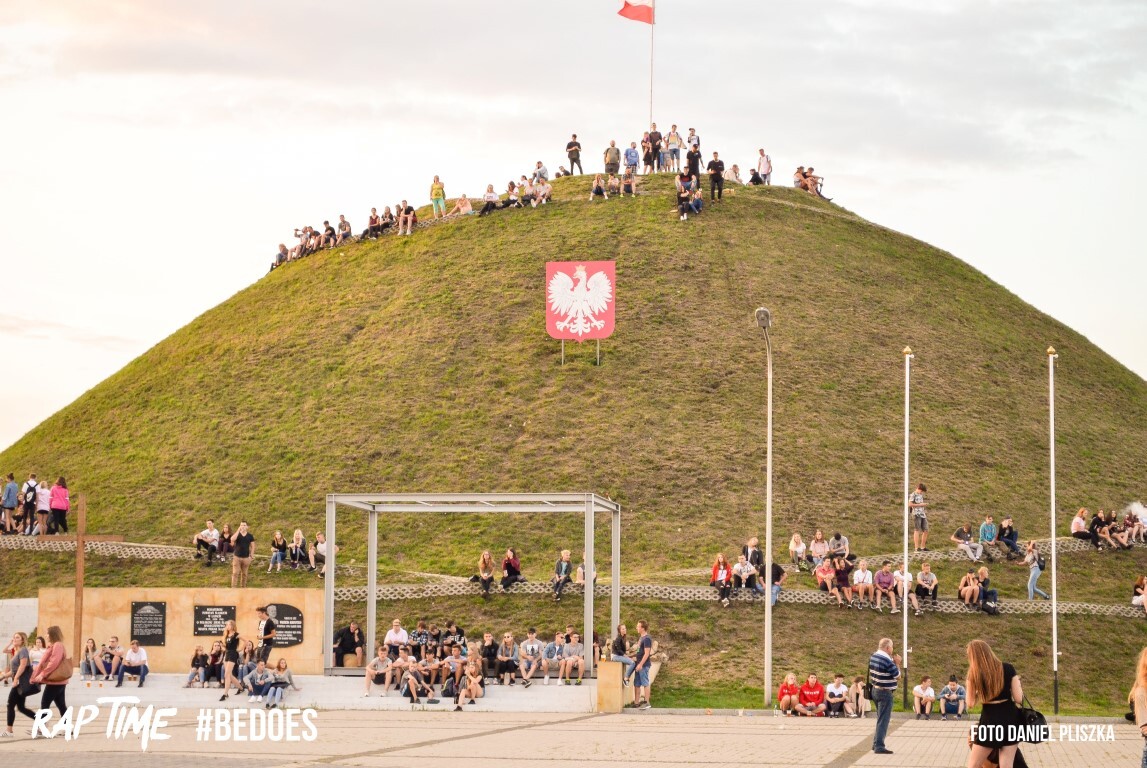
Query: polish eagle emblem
x=578 y=303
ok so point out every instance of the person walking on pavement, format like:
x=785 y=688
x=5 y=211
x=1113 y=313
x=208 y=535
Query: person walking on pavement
x=884 y=673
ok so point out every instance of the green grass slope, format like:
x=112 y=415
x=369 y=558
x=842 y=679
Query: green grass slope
x=422 y=364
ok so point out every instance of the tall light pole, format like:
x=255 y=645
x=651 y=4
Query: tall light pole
x=904 y=598
x=765 y=321
x=1051 y=358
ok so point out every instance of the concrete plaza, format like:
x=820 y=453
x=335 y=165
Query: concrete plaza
x=651 y=739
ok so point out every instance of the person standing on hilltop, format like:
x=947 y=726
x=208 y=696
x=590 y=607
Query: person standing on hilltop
x=883 y=672
x=765 y=168
x=673 y=144
x=632 y=158
x=716 y=169
x=655 y=147
x=573 y=151
x=438 y=198
x=612 y=158
x=11 y=499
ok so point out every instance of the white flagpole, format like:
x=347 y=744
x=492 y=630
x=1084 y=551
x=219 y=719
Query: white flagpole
x=651 y=64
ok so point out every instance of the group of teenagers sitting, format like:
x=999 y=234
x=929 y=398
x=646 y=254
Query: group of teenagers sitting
x=1106 y=531
x=813 y=699
x=564 y=573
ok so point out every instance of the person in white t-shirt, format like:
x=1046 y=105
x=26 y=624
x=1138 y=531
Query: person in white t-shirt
x=134 y=662
x=862 y=585
x=207 y=539
x=836 y=696
x=765 y=168
x=922 y=698
x=903 y=578
x=396 y=639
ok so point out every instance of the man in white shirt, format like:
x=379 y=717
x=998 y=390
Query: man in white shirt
x=134 y=662
x=207 y=539
x=765 y=168
x=836 y=696
x=862 y=585
x=903 y=578
x=542 y=192
x=530 y=655
x=922 y=698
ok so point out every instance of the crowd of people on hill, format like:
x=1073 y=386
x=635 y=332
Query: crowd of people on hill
x=430 y=662
x=657 y=152
x=33 y=508
x=220 y=545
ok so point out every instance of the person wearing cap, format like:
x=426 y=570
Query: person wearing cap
x=953 y=699
x=810 y=698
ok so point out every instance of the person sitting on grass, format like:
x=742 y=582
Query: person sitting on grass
x=722 y=578
x=922 y=698
x=563 y=570
x=297 y=550
x=811 y=698
x=543 y=192
x=962 y=538
x=512 y=200
x=836 y=697
x=969 y=590
x=797 y=550
x=817 y=548
x=1009 y=537
x=613 y=184
x=491 y=201
x=788 y=695
x=838 y=547
x=989 y=535
x=345 y=235
x=485 y=573
x=1133 y=526
x=862 y=588
x=885 y=585
x=953 y=699
x=987 y=593
x=1101 y=524
x=697 y=203
x=1139 y=593
x=684 y=196
x=282 y=257
x=574 y=657
x=841 y=585
x=318 y=553
x=597 y=188
x=207 y=539
x=629 y=183
x=462 y=207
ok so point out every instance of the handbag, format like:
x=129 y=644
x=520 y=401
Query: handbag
x=868 y=686
x=62 y=673
x=1033 y=722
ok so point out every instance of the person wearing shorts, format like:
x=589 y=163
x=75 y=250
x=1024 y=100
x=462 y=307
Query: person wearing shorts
x=919 y=518
x=438 y=198
x=612 y=158
x=641 y=668
x=243 y=542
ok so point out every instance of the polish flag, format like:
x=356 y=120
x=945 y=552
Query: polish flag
x=638 y=10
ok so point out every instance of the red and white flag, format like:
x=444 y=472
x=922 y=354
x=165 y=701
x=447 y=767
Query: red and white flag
x=580 y=299
x=638 y=10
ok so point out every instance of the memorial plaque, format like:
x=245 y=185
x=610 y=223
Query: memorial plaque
x=209 y=620
x=288 y=624
x=149 y=622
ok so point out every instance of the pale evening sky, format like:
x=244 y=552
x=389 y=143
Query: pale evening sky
x=157 y=152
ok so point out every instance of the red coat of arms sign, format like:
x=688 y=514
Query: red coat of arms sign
x=580 y=299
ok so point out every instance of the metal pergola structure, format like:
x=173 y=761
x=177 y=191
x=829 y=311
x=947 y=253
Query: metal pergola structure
x=587 y=504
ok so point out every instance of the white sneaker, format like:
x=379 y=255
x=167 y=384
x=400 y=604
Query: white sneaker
x=366 y=695
x=258 y=698
x=546 y=681
x=7 y=735
x=250 y=699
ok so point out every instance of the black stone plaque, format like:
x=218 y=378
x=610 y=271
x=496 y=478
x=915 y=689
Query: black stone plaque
x=288 y=624
x=149 y=622
x=210 y=619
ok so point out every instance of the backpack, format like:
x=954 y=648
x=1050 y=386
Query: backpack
x=30 y=494
x=1041 y=561
x=448 y=689
x=992 y=608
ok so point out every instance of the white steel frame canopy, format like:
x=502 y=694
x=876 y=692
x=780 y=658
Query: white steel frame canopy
x=587 y=504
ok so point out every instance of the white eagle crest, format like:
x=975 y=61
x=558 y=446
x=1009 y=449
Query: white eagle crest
x=578 y=304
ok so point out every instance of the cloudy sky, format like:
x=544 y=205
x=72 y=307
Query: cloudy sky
x=156 y=152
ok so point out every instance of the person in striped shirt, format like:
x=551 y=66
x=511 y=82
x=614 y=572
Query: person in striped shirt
x=884 y=673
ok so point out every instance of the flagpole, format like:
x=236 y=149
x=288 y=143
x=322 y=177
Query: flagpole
x=651 y=26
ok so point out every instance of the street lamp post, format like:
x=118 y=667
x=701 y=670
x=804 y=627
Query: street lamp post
x=904 y=598
x=1051 y=358
x=765 y=321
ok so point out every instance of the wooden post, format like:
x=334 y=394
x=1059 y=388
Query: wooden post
x=81 y=529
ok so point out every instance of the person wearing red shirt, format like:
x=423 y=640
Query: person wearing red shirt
x=788 y=695
x=722 y=578
x=811 y=698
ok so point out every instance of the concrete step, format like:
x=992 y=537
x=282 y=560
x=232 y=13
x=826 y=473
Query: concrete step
x=335 y=693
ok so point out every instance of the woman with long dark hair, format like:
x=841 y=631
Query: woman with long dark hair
x=230 y=658
x=59 y=504
x=511 y=569
x=995 y=686
x=20 y=673
x=50 y=672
